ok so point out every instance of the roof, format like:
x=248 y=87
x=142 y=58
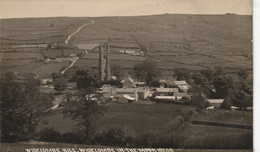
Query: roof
x=167 y=90
x=215 y=100
x=180 y=82
x=129 y=90
x=183 y=87
x=140 y=82
x=180 y=94
x=162 y=81
x=128 y=97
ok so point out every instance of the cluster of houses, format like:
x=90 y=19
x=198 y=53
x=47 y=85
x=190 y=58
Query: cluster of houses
x=135 y=91
x=170 y=90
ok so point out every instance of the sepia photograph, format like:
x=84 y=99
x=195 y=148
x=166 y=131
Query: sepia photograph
x=126 y=75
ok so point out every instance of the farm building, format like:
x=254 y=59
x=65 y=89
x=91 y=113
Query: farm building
x=170 y=82
x=139 y=93
x=46 y=81
x=216 y=102
x=182 y=85
x=171 y=94
x=130 y=83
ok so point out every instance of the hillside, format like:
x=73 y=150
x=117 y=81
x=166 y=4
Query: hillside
x=188 y=41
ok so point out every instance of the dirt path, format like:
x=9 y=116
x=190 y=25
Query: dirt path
x=67 y=40
x=72 y=63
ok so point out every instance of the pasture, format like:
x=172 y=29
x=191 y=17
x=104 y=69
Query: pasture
x=226 y=116
x=174 y=41
x=141 y=119
x=152 y=121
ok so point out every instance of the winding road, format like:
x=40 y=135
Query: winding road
x=67 y=40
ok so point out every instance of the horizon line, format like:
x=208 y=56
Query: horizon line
x=28 y=17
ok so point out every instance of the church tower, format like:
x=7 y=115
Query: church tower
x=104 y=68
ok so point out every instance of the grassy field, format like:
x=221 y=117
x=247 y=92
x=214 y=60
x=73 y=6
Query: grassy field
x=45 y=70
x=226 y=116
x=140 y=119
x=189 y=41
x=133 y=119
x=201 y=136
x=153 y=119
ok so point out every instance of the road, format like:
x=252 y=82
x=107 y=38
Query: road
x=67 y=40
x=72 y=63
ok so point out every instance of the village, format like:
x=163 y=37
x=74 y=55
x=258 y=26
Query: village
x=130 y=90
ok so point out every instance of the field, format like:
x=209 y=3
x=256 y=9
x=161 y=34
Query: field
x=125 y=116
x=226 y=116
x=154 y=120
x=189 y=41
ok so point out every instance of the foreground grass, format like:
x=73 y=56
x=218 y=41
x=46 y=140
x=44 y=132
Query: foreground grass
x=226 y=116
x=138 y=119
x=149 y=122
x=133 y=119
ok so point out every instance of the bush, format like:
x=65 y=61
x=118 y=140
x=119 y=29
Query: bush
x=227 y=103
x=72 y=138
x=112 y=137
x=200 y=102
x=59 y=84
x=49 y=135
x=235 y=141
x=152 y=141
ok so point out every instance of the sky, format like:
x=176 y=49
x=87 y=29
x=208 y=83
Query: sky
x=93 y=8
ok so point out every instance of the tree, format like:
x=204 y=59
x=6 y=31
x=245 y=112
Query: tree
x=59 y=84
x=242 y=74
x=147 y=71
x=56 y=76
x=182 y=74
x=155 y=83
x=197 y=90
x=86 y=79
x=117 y=70
x=224 y=87
x=200 y=79
x=242 y=100
x=116 y=83
x=209 y=74
x=200 y=102
x=227 y=103
x=21 y=106
x=83 y=109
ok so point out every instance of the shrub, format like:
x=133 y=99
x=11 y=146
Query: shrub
x=59 y=84
x=112 y=137
x=234 y=141
x=49 y=135
x=200 y=102
x=72 y=138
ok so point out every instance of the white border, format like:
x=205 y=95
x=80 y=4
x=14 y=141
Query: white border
x=256 y=63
